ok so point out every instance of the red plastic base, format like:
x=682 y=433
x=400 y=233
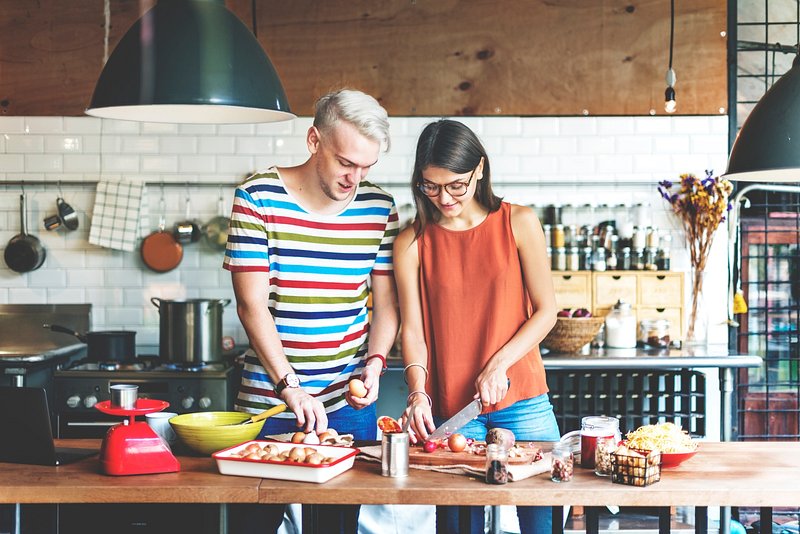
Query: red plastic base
x=135 y=449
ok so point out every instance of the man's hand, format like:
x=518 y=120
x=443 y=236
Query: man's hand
x=310 y=412
x=371 y=376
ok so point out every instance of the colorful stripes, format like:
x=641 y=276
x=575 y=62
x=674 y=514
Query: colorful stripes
x=319 y=267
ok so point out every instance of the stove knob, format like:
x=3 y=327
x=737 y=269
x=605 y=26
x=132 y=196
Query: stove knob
x=74 y=401
x=90 y=401
x=187 y=402
x=204 y=403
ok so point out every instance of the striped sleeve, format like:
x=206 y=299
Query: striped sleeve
x=383 y=261
x=248 y=246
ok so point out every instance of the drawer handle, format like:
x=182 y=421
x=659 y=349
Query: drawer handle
x=661 y=276
x=616 y=277
x=566 y=276
x=660 y=310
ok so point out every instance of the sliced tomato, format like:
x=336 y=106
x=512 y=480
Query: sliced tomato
x=388 y=425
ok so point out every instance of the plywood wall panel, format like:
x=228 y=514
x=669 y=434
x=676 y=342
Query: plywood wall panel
x=419 y=57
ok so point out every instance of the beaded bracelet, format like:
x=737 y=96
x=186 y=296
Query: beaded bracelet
x=415 y=365
x=381 y=357
x=408 y=399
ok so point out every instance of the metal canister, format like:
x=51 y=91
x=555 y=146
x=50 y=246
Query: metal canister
x=394 y=454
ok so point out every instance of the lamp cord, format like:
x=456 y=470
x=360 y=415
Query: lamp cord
x=671 y=28
x=255 y=25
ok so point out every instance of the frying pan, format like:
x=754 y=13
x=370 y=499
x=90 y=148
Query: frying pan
x=104 y=345
x=215 y=230
x=160 y=251
x=24 y=252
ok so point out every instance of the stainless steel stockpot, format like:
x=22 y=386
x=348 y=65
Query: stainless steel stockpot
x=190 y=331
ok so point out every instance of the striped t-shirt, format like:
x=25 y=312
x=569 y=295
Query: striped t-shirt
x=319 y=267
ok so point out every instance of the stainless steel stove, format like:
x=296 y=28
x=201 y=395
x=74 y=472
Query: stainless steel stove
x=206 y=387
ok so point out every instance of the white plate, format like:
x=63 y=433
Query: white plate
x=229 y=464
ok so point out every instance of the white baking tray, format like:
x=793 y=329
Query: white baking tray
x=233 y=465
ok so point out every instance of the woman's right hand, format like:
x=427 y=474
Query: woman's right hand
x=421 y=424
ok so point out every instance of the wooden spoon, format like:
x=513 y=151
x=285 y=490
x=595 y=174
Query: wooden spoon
x=263 y=415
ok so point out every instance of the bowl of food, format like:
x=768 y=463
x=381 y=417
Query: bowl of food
x=572 y=332
x=208 y=432
x=675 y=444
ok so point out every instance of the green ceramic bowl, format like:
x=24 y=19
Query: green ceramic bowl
x=208 y=432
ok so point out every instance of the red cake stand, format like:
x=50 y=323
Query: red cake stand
x=132 y=447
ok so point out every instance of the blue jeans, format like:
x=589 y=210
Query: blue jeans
x=530 y=420
x=261 y=518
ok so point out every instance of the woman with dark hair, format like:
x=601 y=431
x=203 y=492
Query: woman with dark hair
x=476 y=298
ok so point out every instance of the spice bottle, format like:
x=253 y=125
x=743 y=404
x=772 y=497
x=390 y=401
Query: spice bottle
x=562 y=463
x=496 y=464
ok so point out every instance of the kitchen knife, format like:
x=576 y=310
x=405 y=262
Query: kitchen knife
x=464 y=416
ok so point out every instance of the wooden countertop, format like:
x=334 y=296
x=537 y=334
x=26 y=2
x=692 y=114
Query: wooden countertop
x=758 y=474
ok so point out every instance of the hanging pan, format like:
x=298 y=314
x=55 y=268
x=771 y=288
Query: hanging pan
x=24 y=252
x=160 y=251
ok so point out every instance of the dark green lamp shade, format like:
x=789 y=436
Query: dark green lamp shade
x=767 y=148
x=189 y=61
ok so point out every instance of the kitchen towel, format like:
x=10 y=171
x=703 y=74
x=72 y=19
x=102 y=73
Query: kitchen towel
x=516 y=472
x=120 y=215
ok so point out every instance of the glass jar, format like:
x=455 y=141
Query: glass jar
x=496 y=464
x=586 y=259
x=650 y=258
x=574 y=259
x=621 y=327
x=637 y=260
x=592 y=428
x=624 y=262
x=557 y=236
x=548 y=234
x=639 y=239
x=604 y=448
x=654 y=333
x=562 y=463
x=559 y=260
x=599 y=259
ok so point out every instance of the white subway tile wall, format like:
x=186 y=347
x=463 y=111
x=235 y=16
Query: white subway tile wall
x=535 y=161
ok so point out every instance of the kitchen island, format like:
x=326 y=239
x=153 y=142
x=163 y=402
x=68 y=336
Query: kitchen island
x=756 y=474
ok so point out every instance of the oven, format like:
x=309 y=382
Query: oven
x=77 y=389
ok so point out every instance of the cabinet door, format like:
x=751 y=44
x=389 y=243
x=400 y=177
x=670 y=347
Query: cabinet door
x=664 y=290
x=612 y=286
x=573 y=289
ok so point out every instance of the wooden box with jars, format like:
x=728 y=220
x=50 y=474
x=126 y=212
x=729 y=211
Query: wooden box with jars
x=653 y=295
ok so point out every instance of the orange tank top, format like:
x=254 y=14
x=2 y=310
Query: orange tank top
x=473 y=301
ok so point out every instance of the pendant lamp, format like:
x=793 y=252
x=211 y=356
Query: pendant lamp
x=767 y=148
x=189 y=61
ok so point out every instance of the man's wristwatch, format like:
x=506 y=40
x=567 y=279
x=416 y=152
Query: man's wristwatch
x=289 y=381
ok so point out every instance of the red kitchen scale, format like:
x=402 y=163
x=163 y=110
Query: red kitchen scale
x=132 y=447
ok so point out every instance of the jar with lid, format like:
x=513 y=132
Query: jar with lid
x=621 y=327
x=639 y=239
x=637 y=260
x=570 y=235
x=562 y=462
x=624 y=261
x=496 y=464
x=654 y=333
x=604 y=448
x=548 y=234
x=592 y=428
x=574 y=259
x=612 y=257
x=599 y=259
x=650 y=256
x=557 y=236
x=651 y=239
x=586 y=259
x=662 y=259
x=559 y=260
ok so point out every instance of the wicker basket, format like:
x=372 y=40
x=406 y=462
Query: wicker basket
x=570 y=334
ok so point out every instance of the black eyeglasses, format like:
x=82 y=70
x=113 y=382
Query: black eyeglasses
x=454 y=189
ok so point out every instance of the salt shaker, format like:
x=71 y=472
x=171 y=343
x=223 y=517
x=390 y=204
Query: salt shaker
x=562 y=463
x=496 y=464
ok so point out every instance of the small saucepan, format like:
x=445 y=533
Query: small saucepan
x=104 y=346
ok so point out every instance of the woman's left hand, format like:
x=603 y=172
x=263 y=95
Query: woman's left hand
x=491 y=385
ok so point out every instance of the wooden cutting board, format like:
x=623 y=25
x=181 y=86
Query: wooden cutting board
x=445 y=457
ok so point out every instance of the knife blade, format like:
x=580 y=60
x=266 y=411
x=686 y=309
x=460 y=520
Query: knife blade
x=464 y=416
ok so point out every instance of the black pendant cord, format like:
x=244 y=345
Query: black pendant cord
x=255 y=24
x=671 y=28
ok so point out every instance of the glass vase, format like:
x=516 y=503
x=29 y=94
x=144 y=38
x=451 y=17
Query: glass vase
x=697 y=326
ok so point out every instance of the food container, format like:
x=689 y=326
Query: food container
x=634 y=469
x=342 y=459
x=621 y=327
x=604 y=448
x=562 y=462
x=654 y=333
x=593 y=428
x=394 y=454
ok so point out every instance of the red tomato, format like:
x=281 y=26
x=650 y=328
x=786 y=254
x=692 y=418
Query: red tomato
x=388 y=425
x=457 y=442
x=430 y=446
